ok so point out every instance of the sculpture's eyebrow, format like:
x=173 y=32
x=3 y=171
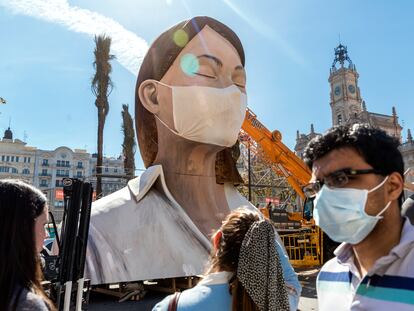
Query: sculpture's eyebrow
x=239 y=67
x=215 y=59
x=219 y=62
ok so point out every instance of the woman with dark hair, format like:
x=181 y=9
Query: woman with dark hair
x=244 y=274
x=190 y=105
x=24 y=213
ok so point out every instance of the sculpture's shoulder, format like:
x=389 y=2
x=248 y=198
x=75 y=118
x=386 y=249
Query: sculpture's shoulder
x=115 y=199
x=235 y=199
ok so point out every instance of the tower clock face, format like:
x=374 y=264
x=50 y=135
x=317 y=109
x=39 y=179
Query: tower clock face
x=337 y=90
x=351 y=89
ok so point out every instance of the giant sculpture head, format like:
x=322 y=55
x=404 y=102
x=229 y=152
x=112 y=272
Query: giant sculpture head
x=199 y=52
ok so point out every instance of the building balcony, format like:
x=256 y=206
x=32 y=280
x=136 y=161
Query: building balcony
x=44 y=175
x=44 y=185
x=63 y=165
x=62 y=175
x=81 y=167
x=45 y=164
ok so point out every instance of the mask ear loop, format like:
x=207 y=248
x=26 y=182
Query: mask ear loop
x=166 y=125
x=383 y=210
x=159 y=119
x=378 y=186
x=388 y=204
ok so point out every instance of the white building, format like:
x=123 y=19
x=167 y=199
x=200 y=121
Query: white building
x=16 y=159
x=46 y=169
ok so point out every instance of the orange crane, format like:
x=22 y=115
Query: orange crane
x=309 y=245
x=286 y=162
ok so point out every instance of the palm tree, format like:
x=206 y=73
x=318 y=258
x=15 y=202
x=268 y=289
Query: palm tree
x=128 y=146
x=101 y=88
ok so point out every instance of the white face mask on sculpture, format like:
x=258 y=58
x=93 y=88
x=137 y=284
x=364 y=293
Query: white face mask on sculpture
x=206 y=114
x=340 y=212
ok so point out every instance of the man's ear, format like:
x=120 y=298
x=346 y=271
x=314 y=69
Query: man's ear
x=147 y=93
x=395 y=186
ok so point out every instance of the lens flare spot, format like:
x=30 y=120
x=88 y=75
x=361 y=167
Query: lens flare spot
x=180 y=38
x=189 y=64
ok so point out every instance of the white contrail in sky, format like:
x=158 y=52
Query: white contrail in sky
x=128 y=48
x=268 y=32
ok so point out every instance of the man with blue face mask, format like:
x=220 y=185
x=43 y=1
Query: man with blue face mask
x=357 y=184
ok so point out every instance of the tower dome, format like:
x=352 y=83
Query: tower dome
x=8 y=134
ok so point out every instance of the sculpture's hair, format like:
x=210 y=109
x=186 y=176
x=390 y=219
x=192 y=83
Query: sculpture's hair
x=156 y=63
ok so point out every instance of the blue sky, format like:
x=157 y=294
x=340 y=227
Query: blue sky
x=46 y=61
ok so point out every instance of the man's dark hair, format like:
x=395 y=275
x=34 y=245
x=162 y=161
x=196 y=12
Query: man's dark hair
x=375 y=146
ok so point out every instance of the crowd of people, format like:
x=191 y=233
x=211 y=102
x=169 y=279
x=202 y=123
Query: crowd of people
x=357 y=185
x=188 y=120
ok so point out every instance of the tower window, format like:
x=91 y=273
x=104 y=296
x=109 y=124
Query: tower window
x=339 y=119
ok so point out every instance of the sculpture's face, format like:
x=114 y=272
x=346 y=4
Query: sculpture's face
x=207 y=60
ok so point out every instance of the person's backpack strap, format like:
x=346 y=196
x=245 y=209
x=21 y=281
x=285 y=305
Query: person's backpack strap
x=172 y=306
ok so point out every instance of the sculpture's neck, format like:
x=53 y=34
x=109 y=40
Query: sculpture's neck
x=189 y=170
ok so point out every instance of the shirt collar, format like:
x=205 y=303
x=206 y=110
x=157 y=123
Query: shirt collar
x=406 y=240
x=345 y=255
x=216 y=278
x=142 y=184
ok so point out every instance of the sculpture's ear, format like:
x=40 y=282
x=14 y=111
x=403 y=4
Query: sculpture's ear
x=147 y=93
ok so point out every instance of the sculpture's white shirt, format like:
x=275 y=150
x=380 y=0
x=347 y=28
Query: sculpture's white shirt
x=140 y=233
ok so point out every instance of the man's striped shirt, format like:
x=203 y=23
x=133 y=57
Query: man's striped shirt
x=389 y=285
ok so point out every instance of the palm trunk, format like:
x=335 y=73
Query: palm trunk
x=99 y=161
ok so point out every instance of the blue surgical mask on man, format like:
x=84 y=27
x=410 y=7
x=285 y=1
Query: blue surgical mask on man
x=340 y=212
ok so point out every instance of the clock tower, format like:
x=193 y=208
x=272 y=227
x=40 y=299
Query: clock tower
x=345 y=96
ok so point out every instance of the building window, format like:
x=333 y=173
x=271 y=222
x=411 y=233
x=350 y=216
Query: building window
x=80 y=165
x=2 y=157
x=45 y=162
x=59 y=183
x=67 y=173
x=67 y=164
x=43 y=183
x=17 y=158
x=115 y=170
x=44 y=172
x=28 y=159
x=7 y=158
x=14 y=170
x=12 y=158
x=339 y=119
x=78 y=174
x=58 y=203
x=106 y=170
x=25 y=171
x=4 y=169
x=24 y=159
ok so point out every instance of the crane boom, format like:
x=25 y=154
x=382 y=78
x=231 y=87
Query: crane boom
x=287 y=163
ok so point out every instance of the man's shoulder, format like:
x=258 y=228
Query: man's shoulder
x=333 y=271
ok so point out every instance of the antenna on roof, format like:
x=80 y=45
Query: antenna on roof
x=25 y=136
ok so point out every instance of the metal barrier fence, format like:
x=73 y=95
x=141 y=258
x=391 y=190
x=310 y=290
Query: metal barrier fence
x=304 y=248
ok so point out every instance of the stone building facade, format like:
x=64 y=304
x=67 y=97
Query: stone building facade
x=46 y=169
x=16 y=158
x=346 y=103
x=348 y=107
